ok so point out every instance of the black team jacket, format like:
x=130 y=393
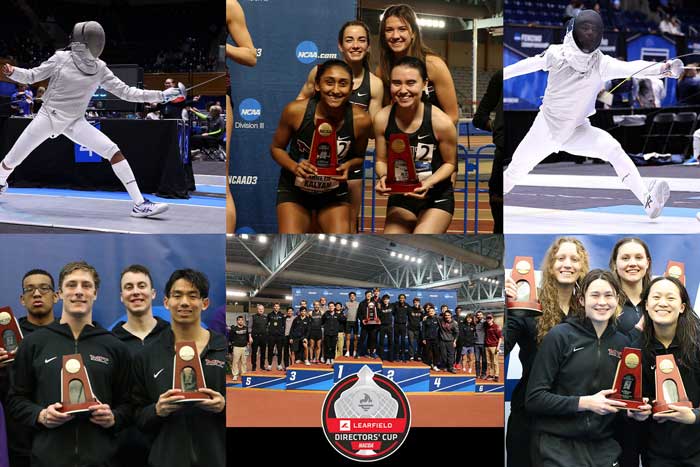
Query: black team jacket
x=191 y=436
x=37 y=384
x=572 y=362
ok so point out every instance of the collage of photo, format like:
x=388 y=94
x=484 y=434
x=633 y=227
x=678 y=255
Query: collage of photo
x=341 y=231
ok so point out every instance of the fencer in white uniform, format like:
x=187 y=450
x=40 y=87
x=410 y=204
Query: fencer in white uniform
x=577 y=73
x=74 y=76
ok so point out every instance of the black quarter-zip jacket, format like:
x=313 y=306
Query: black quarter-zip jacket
x=670 y=439
x=133 y=343
x=191 y=436
x=37 y=384
x=572 y=362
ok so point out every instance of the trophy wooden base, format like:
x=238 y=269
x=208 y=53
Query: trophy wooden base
x=523 y=309
x=403 y=187
x=192 y=396
x=327 y=171
x=632 y=405
x=74 y=409
x=663 y=408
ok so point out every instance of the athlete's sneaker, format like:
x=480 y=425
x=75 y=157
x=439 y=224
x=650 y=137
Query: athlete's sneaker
x=323 y=359
x=692 y=162
x=307 y=363
x=347 y=354
x=268 y=368
x=235 y=378
x=656 y=198
x=148 y=209
x=280 y=367
x=330 y=362
x=354 y=354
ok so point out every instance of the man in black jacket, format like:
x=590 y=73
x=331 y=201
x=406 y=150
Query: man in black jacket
x=38 y=298
x=137 y=295
x=185 y=435
x=35 y=396
x=430 y=337
x=448 y=333
x=386 y=329
x=257 y=326
x=141 y=327
x=299 y=337
x=415 y=317
x=401 y=310
x=275 y=336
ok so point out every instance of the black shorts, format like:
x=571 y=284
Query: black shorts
x=351 y=326
x=315 y=335
x=356 y=173
x=288 y=193
x=436 y=199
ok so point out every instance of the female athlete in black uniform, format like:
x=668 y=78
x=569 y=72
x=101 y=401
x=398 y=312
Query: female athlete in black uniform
x=300 y=191
x=433 y=139
x=367 y=93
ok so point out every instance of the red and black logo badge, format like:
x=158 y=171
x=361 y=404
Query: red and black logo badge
x=366 y=416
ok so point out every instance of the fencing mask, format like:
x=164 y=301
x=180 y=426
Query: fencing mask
x=587 y=29
x=87 y=44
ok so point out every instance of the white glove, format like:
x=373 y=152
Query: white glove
x=673 y=68
x=175 y=95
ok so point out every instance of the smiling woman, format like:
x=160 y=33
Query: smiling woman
x=301 y=192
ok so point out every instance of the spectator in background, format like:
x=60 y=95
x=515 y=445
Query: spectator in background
x=649 y=92
x=689 y=86
x=22 y=100
x=215 y=128
x=616 y=17
x=573 y=8
x=38 y=99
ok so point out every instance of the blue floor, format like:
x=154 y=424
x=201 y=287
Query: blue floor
x=117 y=195
x=639 y=211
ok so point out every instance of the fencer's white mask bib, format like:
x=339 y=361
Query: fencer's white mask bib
x=578 y=60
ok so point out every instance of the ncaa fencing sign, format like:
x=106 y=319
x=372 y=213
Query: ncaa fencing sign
x=366 y=416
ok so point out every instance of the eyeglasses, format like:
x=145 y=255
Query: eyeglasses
x=43 y=289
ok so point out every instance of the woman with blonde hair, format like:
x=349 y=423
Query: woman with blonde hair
x=563 y=267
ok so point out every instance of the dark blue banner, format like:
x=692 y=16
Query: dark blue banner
x=291 y=37
x=110 y=254
x=525 y=92
x=654 y=48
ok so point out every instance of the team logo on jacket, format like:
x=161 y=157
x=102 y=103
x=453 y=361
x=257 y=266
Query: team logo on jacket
x=366 y=416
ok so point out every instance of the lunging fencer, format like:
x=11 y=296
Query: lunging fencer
x=577 y=71
x=74 y=76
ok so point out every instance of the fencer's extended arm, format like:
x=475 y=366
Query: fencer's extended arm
x=612 y=68
x=523 y=67
x=120 y=89
x=34 y=75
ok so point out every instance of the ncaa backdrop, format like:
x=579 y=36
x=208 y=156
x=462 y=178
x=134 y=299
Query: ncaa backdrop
x=110 y=254
x=662 y=248
x=291 y=37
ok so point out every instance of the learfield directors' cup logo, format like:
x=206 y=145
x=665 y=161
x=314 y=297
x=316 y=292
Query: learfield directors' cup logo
x=366 y=416
x=307 y=52
x=250 y=109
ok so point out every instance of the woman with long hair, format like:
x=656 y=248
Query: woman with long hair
x=570 y=379
x=433 y=145
x=672 y=327
x=400 y=36
x=301 y=192
x=367 y=93
x=564 y=265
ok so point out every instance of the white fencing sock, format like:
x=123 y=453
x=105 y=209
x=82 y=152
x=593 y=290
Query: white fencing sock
x=122 y=170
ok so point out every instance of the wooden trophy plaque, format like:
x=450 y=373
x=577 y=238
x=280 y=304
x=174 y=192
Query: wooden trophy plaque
x=324 y=149
x=10 y=331
x=628 y=379
x=669 y=385
x=525 y=304
x=372 y=316
x=187 y=372
x=76 y=392
x=675 y=269
x=401 y=170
